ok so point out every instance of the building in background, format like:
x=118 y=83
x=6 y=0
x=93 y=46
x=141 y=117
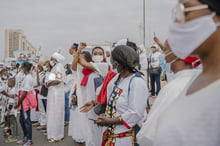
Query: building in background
x=16 y=40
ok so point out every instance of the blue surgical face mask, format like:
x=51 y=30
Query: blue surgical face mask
x=168 y=65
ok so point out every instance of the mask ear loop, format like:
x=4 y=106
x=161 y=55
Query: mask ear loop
x=217 y=23
x=174 y=60
x=168 y=53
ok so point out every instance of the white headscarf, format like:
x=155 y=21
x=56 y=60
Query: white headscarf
x=58 y=57
x=118 y=43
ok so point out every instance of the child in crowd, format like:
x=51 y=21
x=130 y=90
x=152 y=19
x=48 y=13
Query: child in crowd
x=11 y=130
x=26 y=101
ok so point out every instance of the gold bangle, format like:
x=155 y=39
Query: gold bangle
x=120 y=118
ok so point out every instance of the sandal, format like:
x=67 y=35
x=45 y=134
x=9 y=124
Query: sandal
x=10 y=139
x=59 y=140
x=51 y=140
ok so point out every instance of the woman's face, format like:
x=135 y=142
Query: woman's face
x=97 y=55
x=48 y=67
x=196 y=14
x=98 y=51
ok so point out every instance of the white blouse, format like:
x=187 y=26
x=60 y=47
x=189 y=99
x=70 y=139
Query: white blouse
x=192 y=120
x=130 y=106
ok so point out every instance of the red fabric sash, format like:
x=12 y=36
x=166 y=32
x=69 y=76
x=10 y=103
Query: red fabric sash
x=102 y=97
x=107 y=139
x=86 y=73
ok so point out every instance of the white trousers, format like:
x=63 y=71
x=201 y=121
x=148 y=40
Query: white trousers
x=43 y=116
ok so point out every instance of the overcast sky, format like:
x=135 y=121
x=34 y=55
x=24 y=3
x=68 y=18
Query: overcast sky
x=58 y=23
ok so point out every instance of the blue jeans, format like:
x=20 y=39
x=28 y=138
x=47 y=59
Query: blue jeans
x=155 y=79
x=45 y=104
x=26 y=124
x=67 y=107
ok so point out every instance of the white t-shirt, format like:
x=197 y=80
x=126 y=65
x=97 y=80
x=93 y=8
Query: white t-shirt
x=69 y=79
x=155 y=59
x=192 y=120
x=11 y=101
x=28 y=83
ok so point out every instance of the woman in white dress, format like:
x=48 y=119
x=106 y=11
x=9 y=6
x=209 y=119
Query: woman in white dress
x=56 y=100
x=126 y=100
x=87 y=73
x=193 y=119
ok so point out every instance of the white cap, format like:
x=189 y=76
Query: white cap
x=58 y=57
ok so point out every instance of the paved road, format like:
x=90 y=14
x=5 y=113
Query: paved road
x=40 y=140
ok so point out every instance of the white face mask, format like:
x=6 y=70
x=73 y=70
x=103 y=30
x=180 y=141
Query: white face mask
x=52 y=63
x=115 y=70
x=187 y=37
x=22 y=72
x=97 y=58
x=4 y=77
x=168 y=66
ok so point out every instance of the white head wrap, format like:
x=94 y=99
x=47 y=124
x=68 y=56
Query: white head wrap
x=118 y=43
x=58 y=57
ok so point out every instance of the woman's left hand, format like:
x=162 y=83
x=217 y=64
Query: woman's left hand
x=102 y=120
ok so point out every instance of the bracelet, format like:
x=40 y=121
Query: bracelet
x=93 y=102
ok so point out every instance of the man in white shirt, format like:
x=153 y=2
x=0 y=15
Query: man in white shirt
x=155 y=70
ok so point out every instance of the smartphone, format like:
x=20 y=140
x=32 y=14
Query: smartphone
x=154 y=34
x=92 y=120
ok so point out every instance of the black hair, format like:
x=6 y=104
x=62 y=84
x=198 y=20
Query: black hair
x=27 y=66
x=75 y=46
x=3 y=70
x=132 y=45
x=126 y=57
x=17 y=65
x=87 y=56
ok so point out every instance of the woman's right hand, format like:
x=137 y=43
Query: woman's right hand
x=87 y=107
x=82 y=46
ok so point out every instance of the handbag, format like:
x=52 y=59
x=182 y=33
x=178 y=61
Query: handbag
x=99 y=108
x=98 y=82
x=44 y=90
x=155 y=71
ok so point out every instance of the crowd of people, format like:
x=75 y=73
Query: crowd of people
x=103 y=96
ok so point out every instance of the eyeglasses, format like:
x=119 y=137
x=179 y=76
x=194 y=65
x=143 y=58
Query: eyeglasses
x=180 y=10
